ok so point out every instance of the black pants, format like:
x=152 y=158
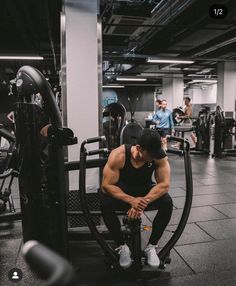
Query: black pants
x=109 y=205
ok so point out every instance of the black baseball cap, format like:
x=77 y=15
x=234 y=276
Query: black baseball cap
x=150 y=140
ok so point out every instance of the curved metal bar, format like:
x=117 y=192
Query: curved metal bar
x=85 y=208
x=6 y=174
x=30 y=80
x=7 y=135
x=187 y=205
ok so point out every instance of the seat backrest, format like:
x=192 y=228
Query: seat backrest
x=130 y=133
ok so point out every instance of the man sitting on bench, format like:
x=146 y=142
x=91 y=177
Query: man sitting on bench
x=127 y=186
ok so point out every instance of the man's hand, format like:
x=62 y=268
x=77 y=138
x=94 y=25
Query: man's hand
x=44 y=130
x=133 y=213
x=139 y=203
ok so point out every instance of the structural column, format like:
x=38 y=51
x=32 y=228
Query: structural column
x=173 y=90
x=226 y=87
x=81 y=46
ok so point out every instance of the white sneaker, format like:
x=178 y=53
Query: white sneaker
x=125 y=256
x=175 y=146
x=151 y=254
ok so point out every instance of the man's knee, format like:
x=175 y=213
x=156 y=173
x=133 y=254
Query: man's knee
x=165 y=204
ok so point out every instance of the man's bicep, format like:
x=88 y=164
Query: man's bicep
x=162 y=172
x=111 y=175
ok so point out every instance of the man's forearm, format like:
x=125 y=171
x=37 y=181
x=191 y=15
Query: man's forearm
x=156 y=192
x=117 y=193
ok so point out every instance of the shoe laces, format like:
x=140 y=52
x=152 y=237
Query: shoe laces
x=151 y=248
x=122 y=248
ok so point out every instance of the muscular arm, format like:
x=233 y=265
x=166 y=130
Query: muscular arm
x=111 y=174
x=162 y=175
x=187 y=112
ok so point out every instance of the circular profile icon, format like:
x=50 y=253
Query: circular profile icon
x=15 y=275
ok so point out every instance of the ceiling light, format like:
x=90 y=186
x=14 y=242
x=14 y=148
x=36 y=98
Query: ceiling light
x=215 y=47
x=168 y=61
x=203 y=81
x=198 y=75
x=191 y=69
x=113 y=86
x=21 y=58
x=130 y=79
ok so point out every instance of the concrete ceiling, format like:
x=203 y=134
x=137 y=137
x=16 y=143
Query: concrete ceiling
x=174 y=29
x=132 y=31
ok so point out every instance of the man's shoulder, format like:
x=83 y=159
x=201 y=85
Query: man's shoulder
x=117 y=156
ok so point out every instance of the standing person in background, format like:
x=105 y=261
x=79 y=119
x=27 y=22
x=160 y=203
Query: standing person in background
x=188 y=113
x=164 y=122
x=158 y=104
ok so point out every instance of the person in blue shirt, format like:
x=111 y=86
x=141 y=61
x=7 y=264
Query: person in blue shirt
x=164 y=122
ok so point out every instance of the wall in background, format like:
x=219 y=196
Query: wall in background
x=145 y=103
x=202 y=95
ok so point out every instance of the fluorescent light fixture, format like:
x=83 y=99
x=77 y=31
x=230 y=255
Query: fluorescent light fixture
x=113 y=86
x=203 y=81
x=191 y=69
x=215 y=47
x=168 y=61
x=21 y=58
x=196 y=75
x=130 y=79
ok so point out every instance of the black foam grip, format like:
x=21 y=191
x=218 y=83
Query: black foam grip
x=96 y=139
x=48 y=265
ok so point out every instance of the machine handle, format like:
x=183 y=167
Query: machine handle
x=179 y=139
x=95 y=139
x=99 y=151
x=6 y=174
x=47 y=264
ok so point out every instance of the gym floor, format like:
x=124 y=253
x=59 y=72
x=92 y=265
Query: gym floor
x=204 y=255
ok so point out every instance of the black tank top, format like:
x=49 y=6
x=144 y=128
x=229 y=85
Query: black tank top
x=137 y=177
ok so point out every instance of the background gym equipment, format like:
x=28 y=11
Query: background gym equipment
x=114 y=115
x=176 y=114
x=223 y=132
x=41 y=186
x=7 y=169
x=200 y=125
x=131 y=130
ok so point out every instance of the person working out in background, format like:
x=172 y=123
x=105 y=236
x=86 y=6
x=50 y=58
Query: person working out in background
x=164 y=122
x=127 y=185
x=188 y=113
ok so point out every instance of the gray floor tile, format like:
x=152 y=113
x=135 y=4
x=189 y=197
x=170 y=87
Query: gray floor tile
x=213 y=181
x=220 y=229
x=210 y=256
x=177 y=192
x=227 y=209
x=232 y=195
x=205 y=200
x=191 y=234
x=204 y=213
x=220 y=278
x=214 y=189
